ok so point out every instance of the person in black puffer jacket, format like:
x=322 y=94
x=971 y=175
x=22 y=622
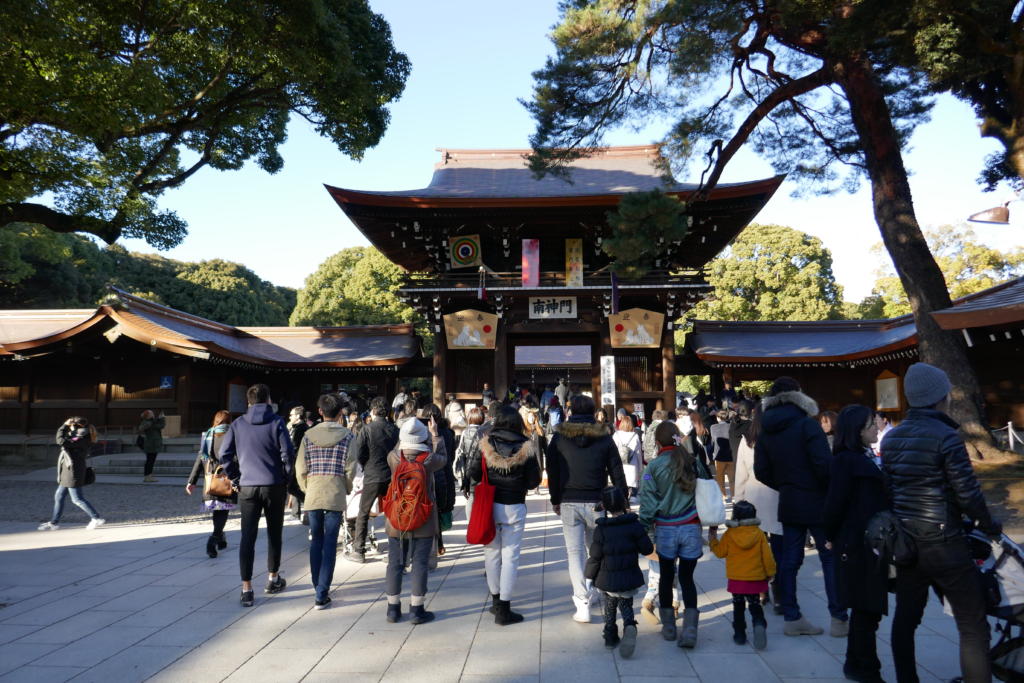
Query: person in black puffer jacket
x=792 y=456
x=614 y=568
x=513 y=468
x=581 y=457
x=932 y=484
x=444 y=478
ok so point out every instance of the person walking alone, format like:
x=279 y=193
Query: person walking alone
x=151 y=440
x=370 y=448
x=322 y=470
x=931 y=484
x=581 y=457
x=856 y=493
x=257 y=455
x=75 y=438
x=513 y=469
x=207 y=462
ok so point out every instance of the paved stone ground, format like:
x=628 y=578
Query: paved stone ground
x=131 y=602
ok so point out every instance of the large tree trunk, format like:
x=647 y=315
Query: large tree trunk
x=913 y=261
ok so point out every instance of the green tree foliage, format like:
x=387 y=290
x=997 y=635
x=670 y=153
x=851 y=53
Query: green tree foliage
x=967 y=265
x=43 y=269
x=104 y=106
x=772 y=272
x=812 y=85
x=643 y=222
x=974 y=50
x=356 y=286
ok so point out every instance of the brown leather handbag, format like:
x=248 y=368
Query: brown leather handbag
x=217 y=484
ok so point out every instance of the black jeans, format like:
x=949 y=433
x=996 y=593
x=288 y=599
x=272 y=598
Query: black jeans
x=150 y=461
x=220 y=518
x=861 y=653
x=372 y=490
x=254 y=501
x=947 y=564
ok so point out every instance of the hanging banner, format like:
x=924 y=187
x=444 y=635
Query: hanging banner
x=546 y=307
x=465 y=251
x=531 y=263
x=470 y=329
x=574 y=263
x=608 y=381
x=636 y=328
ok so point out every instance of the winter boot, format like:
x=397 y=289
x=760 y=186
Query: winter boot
x=419 y=615
x=760 y=627
x=776 y=605
x=211 y=546
x=611 y=635
x=503 y=615
x=801 y=627
x=739 y=622
x=688 y=633
x=668 y=623
x=628 y=644
x=394 y=613
x=222 y=541
x=649 y=612
x=493 y=609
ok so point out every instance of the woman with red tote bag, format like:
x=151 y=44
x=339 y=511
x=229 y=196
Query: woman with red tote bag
x=507 y=467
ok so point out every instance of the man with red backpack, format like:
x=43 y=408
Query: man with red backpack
x=410 y=507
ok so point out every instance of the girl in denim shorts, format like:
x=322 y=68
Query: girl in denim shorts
x=669 y=512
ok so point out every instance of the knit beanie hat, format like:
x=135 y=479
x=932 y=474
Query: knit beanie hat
x=413 y=436
x=925 y=385
x=742 y=509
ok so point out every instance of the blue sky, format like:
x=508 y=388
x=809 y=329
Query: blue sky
x=471 y=61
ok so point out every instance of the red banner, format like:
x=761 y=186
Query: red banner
x=531 y=263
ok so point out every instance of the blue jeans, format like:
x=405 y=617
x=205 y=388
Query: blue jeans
x=794 y=536
x=76 y=497
x=324 y=526
x=681 y=541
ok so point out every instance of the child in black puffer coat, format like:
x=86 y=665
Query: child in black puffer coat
x=614 y=567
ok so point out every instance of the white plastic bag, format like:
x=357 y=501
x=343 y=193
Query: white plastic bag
x=710 y=506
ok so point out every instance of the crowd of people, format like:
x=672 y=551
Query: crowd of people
x=624 y=488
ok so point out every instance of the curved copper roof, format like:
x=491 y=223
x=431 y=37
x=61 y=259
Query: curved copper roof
x=29 y=333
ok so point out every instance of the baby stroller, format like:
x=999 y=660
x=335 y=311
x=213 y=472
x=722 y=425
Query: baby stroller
x=352 y=512
x=1002 y=568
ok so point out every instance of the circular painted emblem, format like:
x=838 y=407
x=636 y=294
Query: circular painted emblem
x=464 y=251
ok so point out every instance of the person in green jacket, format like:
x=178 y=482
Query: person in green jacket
x=151 y=440
x=669 y=512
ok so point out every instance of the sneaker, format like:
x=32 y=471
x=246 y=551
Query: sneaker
x=275 y=586
x=149 y=478
x=322 y=604
x=247 y=599
x=802 y=627
x=357 y=557
x=93 y=523
x=48 y=526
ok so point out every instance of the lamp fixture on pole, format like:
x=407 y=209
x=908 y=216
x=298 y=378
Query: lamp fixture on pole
x=997 y=215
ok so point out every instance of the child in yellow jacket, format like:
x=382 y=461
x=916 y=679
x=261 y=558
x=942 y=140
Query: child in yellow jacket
x=748 y=566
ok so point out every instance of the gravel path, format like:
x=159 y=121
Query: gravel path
x=30 y=501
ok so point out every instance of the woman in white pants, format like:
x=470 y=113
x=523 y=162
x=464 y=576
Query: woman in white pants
x=513 y=468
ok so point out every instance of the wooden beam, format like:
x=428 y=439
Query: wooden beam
x=440 y=363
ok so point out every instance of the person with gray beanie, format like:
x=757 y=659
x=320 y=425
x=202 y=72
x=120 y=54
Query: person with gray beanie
x=932 y=487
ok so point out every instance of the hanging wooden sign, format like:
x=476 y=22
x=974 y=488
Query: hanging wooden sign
x=531 y=263
x=545 y=307
x=465 y=251
x=574 y=263
x=470 y=329
x=636 y=328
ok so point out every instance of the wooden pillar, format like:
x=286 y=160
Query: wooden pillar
x=103 y=392
x=184 y=393
x=440 y=366
x=390 y=386
x=668 y=370
x=501 y=360
x=25 y=397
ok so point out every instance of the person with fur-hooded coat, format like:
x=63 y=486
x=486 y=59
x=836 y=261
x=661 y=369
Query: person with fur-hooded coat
x=580 y=459
x=792 y=456
x=513 y=468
